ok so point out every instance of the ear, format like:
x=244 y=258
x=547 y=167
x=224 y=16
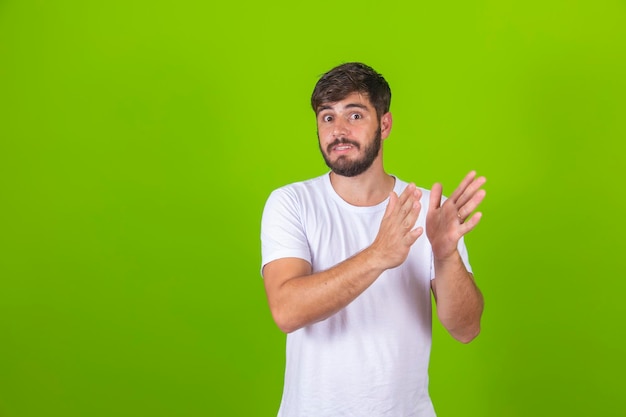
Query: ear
x=385 y=125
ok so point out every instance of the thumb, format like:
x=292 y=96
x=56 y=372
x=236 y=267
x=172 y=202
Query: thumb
x=435 y=197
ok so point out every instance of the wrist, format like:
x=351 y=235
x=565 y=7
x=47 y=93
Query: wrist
x=373 y=260
x=452 y=257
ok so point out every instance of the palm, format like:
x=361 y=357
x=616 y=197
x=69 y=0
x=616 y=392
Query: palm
x=446 y=223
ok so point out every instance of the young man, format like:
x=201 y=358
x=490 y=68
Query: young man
x=348 y=269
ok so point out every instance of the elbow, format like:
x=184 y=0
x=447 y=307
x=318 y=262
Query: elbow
x=462 y=327
x=463 y=331
x=284 y=322
x=286 y=328
x=468 y=335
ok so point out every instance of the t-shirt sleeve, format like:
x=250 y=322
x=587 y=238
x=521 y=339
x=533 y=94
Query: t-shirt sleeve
x=282 y=231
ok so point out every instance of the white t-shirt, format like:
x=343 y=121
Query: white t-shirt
x=371 y=358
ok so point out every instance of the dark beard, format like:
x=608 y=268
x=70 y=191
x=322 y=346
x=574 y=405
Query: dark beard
x=351 y=168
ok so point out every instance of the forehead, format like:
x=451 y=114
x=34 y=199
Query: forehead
x=355 y=99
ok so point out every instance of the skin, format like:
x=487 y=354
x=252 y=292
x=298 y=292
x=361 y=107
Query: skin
x=298 y=297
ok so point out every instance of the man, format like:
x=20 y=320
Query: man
x=348 y=273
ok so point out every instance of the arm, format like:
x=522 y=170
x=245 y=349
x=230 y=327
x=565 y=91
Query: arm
x=297 y=297
x=459 y=301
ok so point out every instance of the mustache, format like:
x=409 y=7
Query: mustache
x=341 y=141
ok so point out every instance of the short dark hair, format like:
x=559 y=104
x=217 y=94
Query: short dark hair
x=348 y=78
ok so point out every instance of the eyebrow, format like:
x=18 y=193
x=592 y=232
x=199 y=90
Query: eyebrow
x=357 y=105
x=348 y=106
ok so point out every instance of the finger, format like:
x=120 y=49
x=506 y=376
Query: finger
x=407 y=193
x=472 y=204
x=417 y=194
x=408 y=222
x=471 y=190
x=462 y=186
x=471 y=223
x=393 y=201
x=406 y=201
x=413 y=235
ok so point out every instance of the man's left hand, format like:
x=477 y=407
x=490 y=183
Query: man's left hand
x=446 y=223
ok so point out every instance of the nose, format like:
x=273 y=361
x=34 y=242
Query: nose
x=341 y=128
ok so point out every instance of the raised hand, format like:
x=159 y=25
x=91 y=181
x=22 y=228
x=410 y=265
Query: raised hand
x=397 y=232
x=446 y=223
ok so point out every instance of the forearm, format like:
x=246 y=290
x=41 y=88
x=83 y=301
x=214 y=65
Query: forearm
x=459 y=301
x=310 y=298
x=298 y=297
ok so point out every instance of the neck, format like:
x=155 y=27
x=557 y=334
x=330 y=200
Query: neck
x=367 y=189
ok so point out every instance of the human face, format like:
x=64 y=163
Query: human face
x=349 y=135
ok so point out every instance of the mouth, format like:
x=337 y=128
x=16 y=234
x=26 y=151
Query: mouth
x=342 y=146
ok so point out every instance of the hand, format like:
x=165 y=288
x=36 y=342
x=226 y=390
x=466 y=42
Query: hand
x=446 y=223
x=397 y=232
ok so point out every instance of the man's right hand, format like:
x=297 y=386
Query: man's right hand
x=298 y=297
x=397 y=231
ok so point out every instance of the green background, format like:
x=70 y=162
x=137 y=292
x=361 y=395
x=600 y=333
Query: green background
x=140 y=139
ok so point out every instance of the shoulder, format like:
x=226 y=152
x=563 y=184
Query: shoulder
x=300 y=190
x=401 y=185
x=296 y=195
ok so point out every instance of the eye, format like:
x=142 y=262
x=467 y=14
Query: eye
x=327 y=118
x=356 y=116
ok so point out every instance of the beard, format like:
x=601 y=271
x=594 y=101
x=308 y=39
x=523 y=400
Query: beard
x=351 y=168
